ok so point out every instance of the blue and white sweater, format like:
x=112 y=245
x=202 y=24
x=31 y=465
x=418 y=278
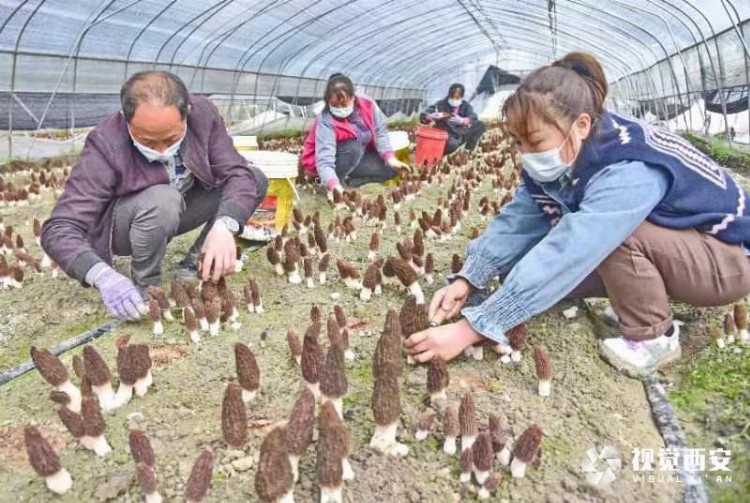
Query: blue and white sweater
x=553 y=235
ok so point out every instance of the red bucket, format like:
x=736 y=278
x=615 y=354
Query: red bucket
x=430 y=145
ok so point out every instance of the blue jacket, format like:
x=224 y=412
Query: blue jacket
x=701 y=194
x=553 y=235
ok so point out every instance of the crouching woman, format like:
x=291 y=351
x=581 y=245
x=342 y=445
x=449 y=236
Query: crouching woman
x=348 y=144
x=608 y=207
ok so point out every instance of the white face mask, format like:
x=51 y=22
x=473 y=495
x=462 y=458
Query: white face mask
x=342 y=112
x=152 y=155
x=455 y=103
x=546 y=166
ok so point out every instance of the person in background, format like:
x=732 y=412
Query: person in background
x=162 y=166
x=455 y=116
x=607 y=207
x=348 y=143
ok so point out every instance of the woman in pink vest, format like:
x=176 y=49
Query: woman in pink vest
x=348 y=143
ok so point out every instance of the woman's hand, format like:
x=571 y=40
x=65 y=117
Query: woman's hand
x=337 y=188
x=449 y=300
x=396 y=164
x=447 y=341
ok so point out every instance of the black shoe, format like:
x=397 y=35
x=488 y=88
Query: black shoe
x=190 y=263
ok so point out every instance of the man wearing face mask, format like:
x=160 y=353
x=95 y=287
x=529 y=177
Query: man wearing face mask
x=608 y=207
x=456 y=116
x=162 y=166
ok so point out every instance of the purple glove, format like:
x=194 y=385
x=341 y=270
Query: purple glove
x=120 y=295
x=435 y=116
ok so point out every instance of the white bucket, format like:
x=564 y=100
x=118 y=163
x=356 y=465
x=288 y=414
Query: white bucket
x=399 y=140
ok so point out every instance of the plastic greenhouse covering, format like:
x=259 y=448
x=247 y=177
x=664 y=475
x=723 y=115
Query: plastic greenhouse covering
x=685 y=63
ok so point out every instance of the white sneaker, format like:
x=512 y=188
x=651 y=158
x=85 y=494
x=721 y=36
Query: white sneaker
x=641 y=358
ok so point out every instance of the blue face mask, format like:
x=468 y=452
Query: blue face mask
x=455 y=103
x=546 y=166
x=342 y=112
x=152 y=155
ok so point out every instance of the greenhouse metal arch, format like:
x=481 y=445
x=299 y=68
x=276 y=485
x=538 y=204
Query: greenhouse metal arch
x=683 y=63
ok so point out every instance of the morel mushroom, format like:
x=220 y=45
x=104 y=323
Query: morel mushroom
x=199 y=309
x=127 y=371
x=155 y=313
x=456 y=264
x=348 y=353
x=408 y=277
x=95 y=368
x=315 y=314
x=191 y=325
x=274 y=480
x=543 y=370
x=525 y=450
x=309 y=277
x=256 y=297
x=335 y=438
x=147 y=482
x=730 y=330
x=483 y=456
x=54 y=372
x=45 y=461
x=333 y=383
x=200 y=478
x=740 y=319
x=387 y=359
x=349 y=275
x=140 y=448
x=517 y=339
x=299 y=429
x=74 y=424
x=500 y=442
x=424 y=425
x=94 y=425
x=60 y=398
x=386 y=408
x=371 y=283
x=295 y=347
x=323 y=268
x=275 y=259
x=213 y=313
x=437 y=379
x=248 y=373
x=413 y=318
x=466 y=463
x=291 y=267
x=143 y=365
x=161 y=298
x=374 y=246
x=233 y=416
x=467 y=416
x=489 y=487
x=717 y=336
x=312 y=359
x=429 y=269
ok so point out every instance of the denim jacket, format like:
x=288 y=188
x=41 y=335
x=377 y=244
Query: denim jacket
x=543 y=263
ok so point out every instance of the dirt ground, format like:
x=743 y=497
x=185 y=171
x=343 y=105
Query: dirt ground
x=591 y=404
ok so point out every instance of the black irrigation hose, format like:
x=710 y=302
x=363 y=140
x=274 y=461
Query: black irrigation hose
x=674 y=437
x=64 y=346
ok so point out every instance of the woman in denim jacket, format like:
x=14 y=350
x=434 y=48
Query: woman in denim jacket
x=608 y=207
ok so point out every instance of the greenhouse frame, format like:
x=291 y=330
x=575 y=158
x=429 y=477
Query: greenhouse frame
x=683 y=63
